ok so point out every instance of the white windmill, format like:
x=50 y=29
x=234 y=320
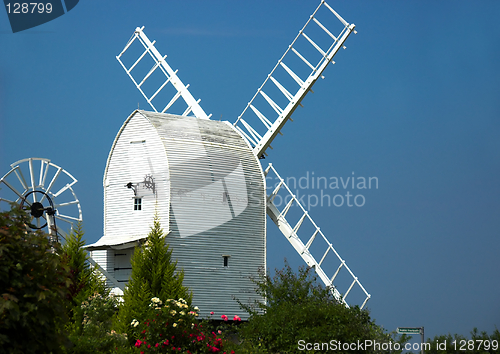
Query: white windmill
x=45 y=189
x=205 y=180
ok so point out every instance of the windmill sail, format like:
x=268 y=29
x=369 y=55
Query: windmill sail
x=309 y=241
x=255 y=123
x=170 y=77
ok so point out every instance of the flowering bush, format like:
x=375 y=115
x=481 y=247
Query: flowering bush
x=173 y=326
x=92 y=329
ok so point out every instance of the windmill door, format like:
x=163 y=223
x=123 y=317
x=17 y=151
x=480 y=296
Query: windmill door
x=123 y=268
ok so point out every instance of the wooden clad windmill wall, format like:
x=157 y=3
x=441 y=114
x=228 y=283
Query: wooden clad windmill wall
x=206 y=185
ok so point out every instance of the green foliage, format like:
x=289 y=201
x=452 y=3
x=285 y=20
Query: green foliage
x=92 y=328
x=86 y=280
x=34 y=288
x=153 y=275
x=173 y=326
x=92 y=309
x=479 y=343
x=298 y=309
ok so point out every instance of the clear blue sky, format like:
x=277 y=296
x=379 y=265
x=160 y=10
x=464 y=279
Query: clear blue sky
x=414 y=101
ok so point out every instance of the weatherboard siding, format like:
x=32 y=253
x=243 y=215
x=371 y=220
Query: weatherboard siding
x=138 y=152
x=204 y=156
x=105 y=259
x=210 y=199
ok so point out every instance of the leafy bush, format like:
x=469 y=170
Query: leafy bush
x=92 y=331
x=298 y=309
x=34 y=288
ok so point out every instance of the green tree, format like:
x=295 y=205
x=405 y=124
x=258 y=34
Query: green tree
x=299 y=310
x=34 y=288
x=86 y=279
x=154 y=274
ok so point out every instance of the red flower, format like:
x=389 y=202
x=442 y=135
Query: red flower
x=212 y=313
x=236 y=318
x=138 y=343
x=224 y=317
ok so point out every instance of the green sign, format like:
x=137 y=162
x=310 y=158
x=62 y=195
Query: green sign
x=409 y=330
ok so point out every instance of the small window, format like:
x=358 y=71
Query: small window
x=137 y=203
x=226 y=260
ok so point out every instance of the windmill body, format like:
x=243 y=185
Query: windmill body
x=206 y=185
x=204 y=179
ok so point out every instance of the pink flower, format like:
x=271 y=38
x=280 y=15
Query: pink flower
x=138 y=343
x=236 y=318
x=212 y=313
x=224 y=317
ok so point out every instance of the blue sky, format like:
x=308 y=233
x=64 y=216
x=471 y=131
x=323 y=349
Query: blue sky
x=413 y=101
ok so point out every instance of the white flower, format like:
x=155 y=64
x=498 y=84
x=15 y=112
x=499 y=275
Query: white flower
x=196 y=308
x=135 y=323
x=156 y=300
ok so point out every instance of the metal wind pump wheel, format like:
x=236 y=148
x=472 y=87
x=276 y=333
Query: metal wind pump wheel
x=45 y=190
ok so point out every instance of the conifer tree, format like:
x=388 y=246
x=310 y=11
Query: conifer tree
x=154 y=274
x=86 y=279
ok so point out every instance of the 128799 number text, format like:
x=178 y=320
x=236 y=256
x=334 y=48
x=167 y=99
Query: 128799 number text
x=470 y=345
x=32 y=7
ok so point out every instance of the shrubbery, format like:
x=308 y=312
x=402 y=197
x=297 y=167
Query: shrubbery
x=479 y=342
x=92 y=327
x=173 y=326
x=156 y=314
x=34 y=288
x=53 y=301
x=298 y=308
